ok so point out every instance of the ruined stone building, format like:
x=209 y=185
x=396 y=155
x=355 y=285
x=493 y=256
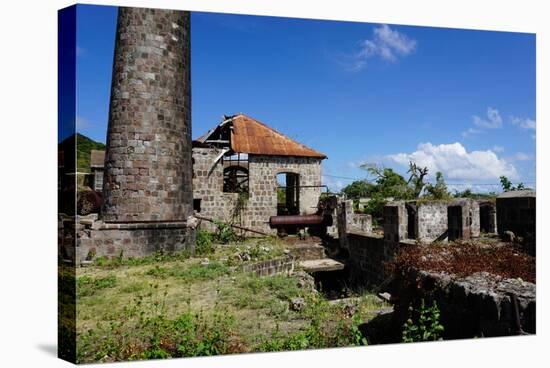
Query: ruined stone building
x=516 y=213
x=244 y=172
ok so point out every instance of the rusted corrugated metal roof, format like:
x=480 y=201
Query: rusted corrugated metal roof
x=253 y=137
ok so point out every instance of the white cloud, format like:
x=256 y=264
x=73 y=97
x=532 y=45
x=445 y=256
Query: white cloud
x=470 y=132
x=457 y=164
x=519 y=156
x=524 y=123
x=493 y=120
x=386 y=43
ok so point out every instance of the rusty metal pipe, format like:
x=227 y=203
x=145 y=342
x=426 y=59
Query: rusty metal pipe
x=234 y=226
x=299 y=221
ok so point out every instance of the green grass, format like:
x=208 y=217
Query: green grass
x=87 y=285
x=170 y=306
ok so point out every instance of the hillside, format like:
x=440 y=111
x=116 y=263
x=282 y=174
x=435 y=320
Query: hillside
x=84 y=147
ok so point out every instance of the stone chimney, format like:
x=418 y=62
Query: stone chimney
x=148 y=169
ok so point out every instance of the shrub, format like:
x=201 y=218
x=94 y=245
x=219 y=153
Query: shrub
x=328 y=327
x=204 y=243
x=224 y=232
x=423 y=325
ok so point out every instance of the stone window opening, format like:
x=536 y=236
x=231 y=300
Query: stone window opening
x=235 y=180
x=288 y=194
x=235 y=173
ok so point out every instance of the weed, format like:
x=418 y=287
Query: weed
x=142 y=331
x=133 y=287
x=158 y=257
x=328 y=327
x=204 y=243
x=86 y=285
x=423 y=325
x=158 y=271
x=197 y=271
x=224 y=232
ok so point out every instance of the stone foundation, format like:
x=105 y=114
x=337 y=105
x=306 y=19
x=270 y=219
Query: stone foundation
x=475 y=306
x=130 y=240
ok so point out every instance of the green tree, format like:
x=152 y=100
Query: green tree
x=383 y=183
x=357 y=189
x=388 y=183
x=439 y=189
x=507 y=185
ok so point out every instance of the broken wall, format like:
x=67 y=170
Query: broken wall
x=395 y=221
x=432 y=221
x=463 y=219
x=487 y=217
x=516 y=212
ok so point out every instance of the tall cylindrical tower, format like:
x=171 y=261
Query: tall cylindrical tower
x=148 y=170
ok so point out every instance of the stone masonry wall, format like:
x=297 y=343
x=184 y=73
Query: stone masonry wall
x=262 y=199
x=468 y=223
x=368 y=254
x=263 y=185
x=271 y=267
x=432 y=220
x=476 y=305
x=96 y=238
x=362 y=222
x=488 y=216
x=208 y=187
x=518 y=215
x=148 y=156
x=348 y=221
x=395 y=221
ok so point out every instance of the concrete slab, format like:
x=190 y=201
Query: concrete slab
x=319 y=265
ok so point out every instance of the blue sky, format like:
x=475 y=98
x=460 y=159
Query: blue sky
x=458 y=101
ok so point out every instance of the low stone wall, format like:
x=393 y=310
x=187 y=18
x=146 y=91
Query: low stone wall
x=304 y=252
x=271 y=267
x=477 y=305
x=368 y=254
x=99 y=239
x=362 y=222
x=348 y=221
